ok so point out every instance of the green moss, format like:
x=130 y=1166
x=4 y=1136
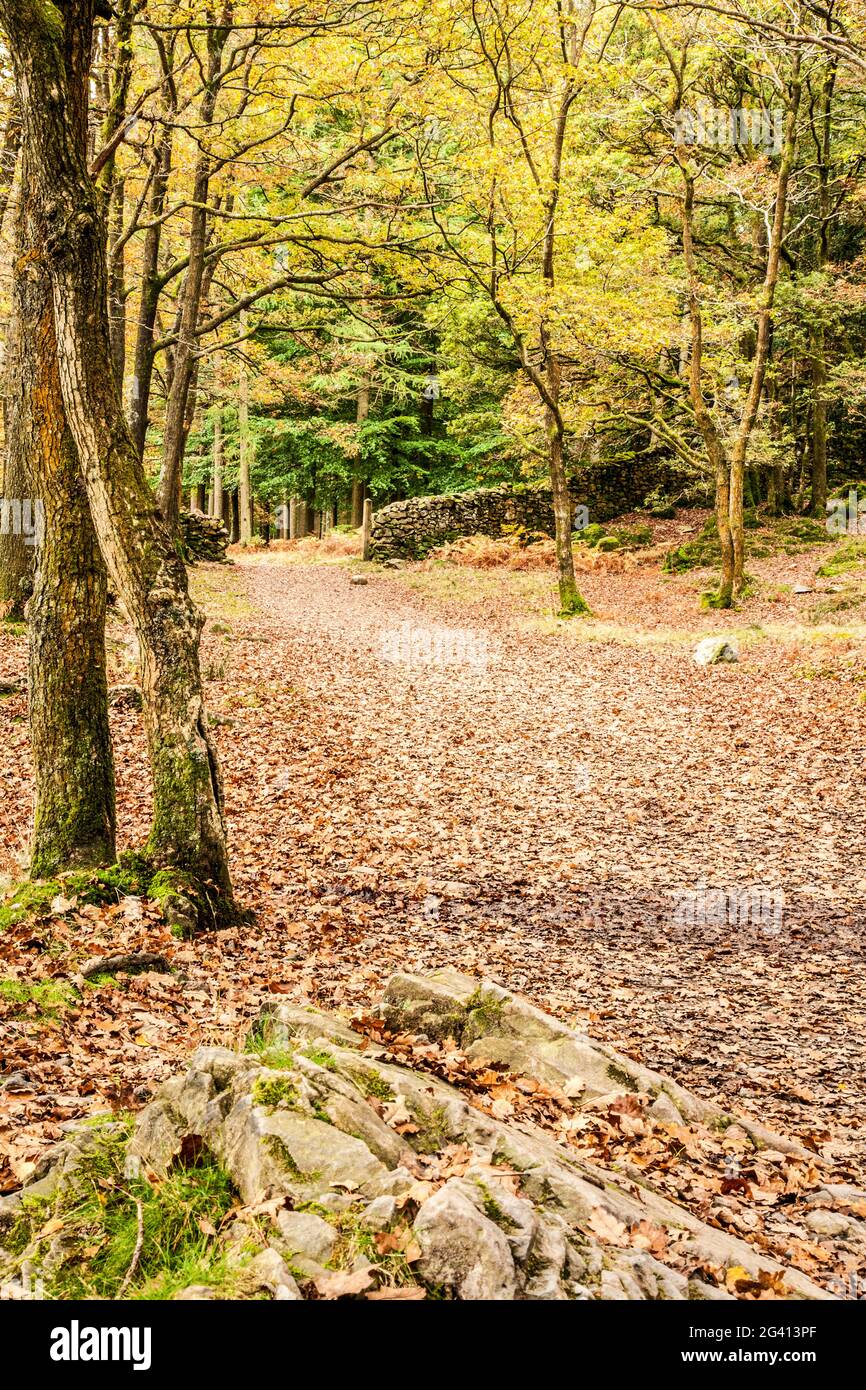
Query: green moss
x=370 y=1083
x=849 y=556
x=260 y=1041
x=700 y=553
x=433 y=1130
x=493 y=1210
x=272 y=1091
x=281 y=1154
x=621 y=1077
x=131 y=875
x=50 y=997
x=485 y=1013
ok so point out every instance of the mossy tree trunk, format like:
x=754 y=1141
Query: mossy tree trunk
x=187 y=833
x=73 y=820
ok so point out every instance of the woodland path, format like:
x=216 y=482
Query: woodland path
x=535 y=819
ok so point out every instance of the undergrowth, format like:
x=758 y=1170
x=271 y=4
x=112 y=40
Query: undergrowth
x=103 y=1233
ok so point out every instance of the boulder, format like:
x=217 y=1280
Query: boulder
x=715 y=650
x=462 y=1249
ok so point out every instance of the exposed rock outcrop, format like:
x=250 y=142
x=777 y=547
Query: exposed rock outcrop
x=361 y=1176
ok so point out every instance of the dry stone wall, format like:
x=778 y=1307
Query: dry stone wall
x=409 y=529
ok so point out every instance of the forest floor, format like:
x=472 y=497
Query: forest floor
x=531 y=809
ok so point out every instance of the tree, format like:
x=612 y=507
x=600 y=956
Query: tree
x=188 y=833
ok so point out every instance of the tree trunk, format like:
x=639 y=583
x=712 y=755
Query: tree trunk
x=116 y=301
x=363 y=411
x=175 y=431
x=246 y=497
x=187 y=834
x=73 y=819
x=819 y=423
x=710 y=435
x=16 y=549
x=217 y=490
x=763 y=335
x=367 y=529
x=151 y=281
x=570 y=600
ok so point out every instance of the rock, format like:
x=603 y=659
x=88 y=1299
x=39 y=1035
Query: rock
x=664 y=1111
x=379 y=1214
x=715 y=650
x=307 y=1234
x=515 y=1217
x=828 y=1223
x=320 y=1131
x=546 y=1260
x=195 y=1293
x=493 y=1024
x=16 y=1081
x=463 y=1249
x=281 y=1023
x=270 y=1271
x=202 y=537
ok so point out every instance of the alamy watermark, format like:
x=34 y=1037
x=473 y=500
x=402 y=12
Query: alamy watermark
x=729 y=127
x=408 y=645
x=23 y=1290
x=847 y=516
x=736 y=905
x=23 y=517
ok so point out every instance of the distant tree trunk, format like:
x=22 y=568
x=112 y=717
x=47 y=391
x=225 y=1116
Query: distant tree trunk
x=764 y=331
x=235 y=531
x=245 y=489
x=16 y=558
x=199 y=497
x=16 y=555
x=362 y=413
x=367 y=529
x=570 y=600
x=176 y=417
x=712 y=441
x=187 y=833
x=9 y=158
x=819 y=423
x=152 y=282
x=822 y=129
x=116 y=300
x=217 y=490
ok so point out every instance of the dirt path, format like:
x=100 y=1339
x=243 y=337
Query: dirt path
x=534 y=817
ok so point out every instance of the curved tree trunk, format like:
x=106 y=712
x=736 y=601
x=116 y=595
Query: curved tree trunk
x=188 y=833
